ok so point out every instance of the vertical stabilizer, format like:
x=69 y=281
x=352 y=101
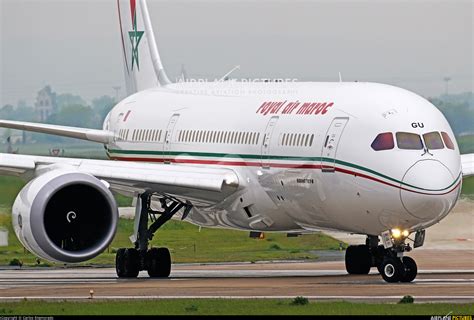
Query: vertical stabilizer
x=142 y=64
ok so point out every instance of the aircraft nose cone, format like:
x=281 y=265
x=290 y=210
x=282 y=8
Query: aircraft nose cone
x=428 y=190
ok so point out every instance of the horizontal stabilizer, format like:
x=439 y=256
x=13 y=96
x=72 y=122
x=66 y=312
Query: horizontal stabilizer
x=94 y=135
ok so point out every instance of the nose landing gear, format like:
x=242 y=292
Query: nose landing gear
x=390 y=262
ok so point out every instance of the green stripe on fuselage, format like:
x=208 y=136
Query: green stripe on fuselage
x=272 y=157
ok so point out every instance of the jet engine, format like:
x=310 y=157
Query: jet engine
x=65 y=216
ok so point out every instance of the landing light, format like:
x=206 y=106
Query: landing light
x=397 y=233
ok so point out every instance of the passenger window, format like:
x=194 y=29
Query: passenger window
x=409 y=141
x=447 y=141
x=383 y=141
x=433 y=141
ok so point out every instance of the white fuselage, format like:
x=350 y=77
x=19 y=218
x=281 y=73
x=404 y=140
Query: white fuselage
x=302 y=152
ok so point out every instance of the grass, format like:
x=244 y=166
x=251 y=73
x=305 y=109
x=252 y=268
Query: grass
x=9 y=188
x=468 y=188
x=189 y=244
x=466 y=143
x=228 y=307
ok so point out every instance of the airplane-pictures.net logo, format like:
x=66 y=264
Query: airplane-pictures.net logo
x=452 y=317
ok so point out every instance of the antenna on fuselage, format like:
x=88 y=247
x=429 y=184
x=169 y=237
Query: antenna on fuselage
x=340 y=76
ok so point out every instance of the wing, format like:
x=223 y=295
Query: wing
x=467 y=162
x=207 y=185
x=101 y=136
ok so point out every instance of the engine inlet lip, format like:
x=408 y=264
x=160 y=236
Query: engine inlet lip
x=37 y=216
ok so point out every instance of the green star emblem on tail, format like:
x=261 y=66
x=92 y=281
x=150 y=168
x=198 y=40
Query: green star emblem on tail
x=135 y=38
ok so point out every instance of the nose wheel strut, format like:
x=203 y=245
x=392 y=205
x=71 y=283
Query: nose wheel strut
x=156 y=261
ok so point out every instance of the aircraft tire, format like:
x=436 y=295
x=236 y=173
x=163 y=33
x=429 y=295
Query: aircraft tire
x=158 y=262
x=392 y=270
x=358 y=259
x=126 y=263
x=411 y=269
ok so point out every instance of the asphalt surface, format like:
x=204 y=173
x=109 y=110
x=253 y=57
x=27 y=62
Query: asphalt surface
x=443 y=276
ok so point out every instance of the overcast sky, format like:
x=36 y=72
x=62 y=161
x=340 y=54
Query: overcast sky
x=75 y=45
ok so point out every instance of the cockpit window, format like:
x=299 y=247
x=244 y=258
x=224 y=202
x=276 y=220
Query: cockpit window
x=383 y=141
x=409 y=141
x=447 y=141
x=433 y=141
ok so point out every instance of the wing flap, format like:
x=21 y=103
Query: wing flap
x=138 y=175
x=15 y=166
x=161 y=174
x=101 y=136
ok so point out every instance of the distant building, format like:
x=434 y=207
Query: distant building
x=45 y=103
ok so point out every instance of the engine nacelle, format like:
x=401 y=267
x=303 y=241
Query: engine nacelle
x=65 y=216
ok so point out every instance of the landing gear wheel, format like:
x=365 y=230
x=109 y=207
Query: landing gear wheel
x=127 y=263
x=379 y=268
x=358 y=259
x=392 y=270
x=410 y=269
x=158 y=262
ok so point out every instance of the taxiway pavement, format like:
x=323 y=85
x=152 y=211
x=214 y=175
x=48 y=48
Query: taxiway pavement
x=443 y=276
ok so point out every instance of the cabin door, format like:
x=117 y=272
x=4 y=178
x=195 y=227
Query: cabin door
x=169 y=133
x=331 y=142
x=267 y=139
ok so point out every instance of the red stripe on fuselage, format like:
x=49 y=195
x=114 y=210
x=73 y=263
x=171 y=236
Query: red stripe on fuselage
x=126 y=116
x=276 y=165
x=218 y=162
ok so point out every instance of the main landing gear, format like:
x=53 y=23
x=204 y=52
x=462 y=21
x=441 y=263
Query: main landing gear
x=156 y=261
x=387 y=258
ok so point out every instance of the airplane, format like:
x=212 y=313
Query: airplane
x=259 y=156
